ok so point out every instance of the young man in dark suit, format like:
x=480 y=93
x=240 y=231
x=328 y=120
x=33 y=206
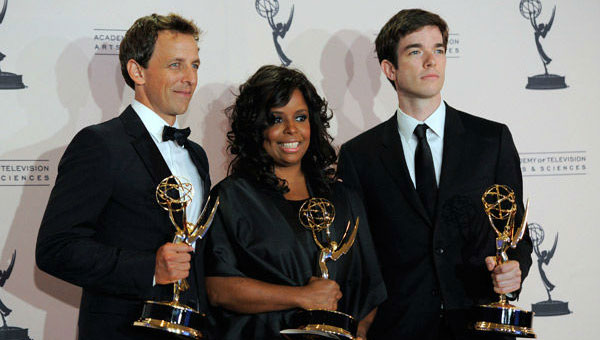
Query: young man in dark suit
x=103 y=229
x=422 y=174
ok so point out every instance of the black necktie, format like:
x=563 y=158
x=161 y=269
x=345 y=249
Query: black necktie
x=178 y=135
x=424 y=171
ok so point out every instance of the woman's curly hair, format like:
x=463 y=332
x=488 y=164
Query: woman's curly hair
x=270 y=87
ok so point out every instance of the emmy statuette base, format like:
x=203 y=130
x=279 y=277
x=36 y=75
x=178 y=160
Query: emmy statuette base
x=504 y=318
x=11 y=81
x=321 y=324
x=173 y=318
x=546 y=82
x=13 y=333
x=550 y=308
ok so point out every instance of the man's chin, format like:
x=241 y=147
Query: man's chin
x=431 y=92
x=180 y=111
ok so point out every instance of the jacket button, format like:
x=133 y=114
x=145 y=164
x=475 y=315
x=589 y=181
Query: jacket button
x=439 y=250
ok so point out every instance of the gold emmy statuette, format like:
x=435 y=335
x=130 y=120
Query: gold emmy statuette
x=174 y=194
x=317 y=214
x=500 y=206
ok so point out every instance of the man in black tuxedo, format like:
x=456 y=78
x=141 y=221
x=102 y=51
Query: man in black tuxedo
x=103 y=229
x=422 y=174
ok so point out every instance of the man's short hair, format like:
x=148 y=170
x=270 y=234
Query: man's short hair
x=403 y=23
x=139 y=41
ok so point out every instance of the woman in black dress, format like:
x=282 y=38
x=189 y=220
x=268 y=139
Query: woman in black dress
x=261 y=263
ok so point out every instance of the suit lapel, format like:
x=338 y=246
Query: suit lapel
x=454 y=144
x=145 y=146
x=393 y=159
x=151 y=156
x=148 y=152
x=198 y=157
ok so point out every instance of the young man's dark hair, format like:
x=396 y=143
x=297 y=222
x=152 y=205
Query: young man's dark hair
x=405 y=22
x=138 y=43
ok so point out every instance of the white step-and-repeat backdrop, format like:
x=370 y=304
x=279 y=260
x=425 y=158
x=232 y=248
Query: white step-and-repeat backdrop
x=64 y=54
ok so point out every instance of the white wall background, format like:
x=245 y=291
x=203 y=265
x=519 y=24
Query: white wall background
x=69 y=86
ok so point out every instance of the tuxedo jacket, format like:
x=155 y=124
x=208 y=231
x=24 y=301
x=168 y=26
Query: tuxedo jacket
x=103 y=226
x=433 y=267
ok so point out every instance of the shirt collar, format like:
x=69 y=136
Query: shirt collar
x=153 y=123
x=436 y=121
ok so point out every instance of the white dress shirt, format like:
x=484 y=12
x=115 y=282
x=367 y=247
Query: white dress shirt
x=435 y=138
x=177 y=157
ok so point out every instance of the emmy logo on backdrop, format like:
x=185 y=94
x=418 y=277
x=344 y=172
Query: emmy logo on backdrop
x=317 y=215
x=268 y=9
x=174 y=194
x=531 y=9
x=500 y=205
x=10 y=332
x=8 y=81
x=549 y=307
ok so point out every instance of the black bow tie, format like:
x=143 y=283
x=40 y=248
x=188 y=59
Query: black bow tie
x=178 y=135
